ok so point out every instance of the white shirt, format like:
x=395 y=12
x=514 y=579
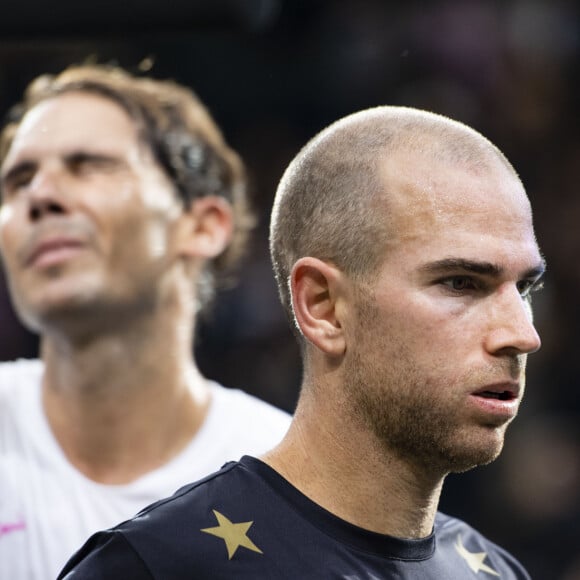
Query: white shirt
x=48 y=508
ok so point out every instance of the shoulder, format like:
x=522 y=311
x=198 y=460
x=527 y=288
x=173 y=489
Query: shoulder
x=481 y=554
x=236 y=398
x=187 y=531
x=106 y=555
x=19 y=377
x=20 y=369
x=201 y=492
x=247 y=413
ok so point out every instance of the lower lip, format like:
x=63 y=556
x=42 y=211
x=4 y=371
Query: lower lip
x=55 y=256
x=496 y=407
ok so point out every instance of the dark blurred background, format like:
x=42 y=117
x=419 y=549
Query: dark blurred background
x=273 y=73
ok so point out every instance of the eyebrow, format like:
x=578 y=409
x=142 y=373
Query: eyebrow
x=27 y=165
x=478 y=267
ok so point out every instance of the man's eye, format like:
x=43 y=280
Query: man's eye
x=17 y=181
x=87 y=161
x=526 y=287
x=20 y=182
x=459 y=283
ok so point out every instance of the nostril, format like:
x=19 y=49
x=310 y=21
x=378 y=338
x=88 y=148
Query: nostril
x=55 y=208
x=39 y=209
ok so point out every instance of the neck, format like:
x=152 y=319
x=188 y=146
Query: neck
x=345 y=470
x=124 y=403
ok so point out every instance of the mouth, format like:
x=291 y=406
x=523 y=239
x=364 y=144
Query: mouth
x=500 y=395
x=500 y=400
x=50 y=252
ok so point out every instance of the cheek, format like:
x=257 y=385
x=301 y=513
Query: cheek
x=431 y=347
x=8 y=231
x=158 y=194
x=6 y=214
x=156 y=242
x=447 y=323
x=160 y=212
x=419 y=329
x=140 y=216
x=145 y=236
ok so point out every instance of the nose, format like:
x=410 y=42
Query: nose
x=45 y=194
x=512 y=329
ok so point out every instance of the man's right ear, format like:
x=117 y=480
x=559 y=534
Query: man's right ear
x=317 y=298
x=207 y=227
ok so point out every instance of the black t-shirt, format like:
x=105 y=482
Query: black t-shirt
x=247 y=522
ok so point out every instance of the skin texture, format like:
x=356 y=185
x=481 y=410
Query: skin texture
x=451 y=333
x=102 y=258
x=120 y=240
x=396 y=364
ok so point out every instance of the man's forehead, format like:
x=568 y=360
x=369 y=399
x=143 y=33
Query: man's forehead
x=418 y=188
x=461 y=216
x=71 y=120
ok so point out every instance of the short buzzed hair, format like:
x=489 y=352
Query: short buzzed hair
x=179 y=131
x=327 y=202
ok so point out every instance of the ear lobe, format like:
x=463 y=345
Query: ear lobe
x=208 y=227
x=316 y=290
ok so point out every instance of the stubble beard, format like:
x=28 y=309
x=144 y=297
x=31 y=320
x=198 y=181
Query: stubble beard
x=397 y=402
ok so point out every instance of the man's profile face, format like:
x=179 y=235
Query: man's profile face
x=435 y=362
x=87 y=217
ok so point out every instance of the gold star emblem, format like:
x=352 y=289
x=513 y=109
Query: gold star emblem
x=234 y=535
x=474 y=559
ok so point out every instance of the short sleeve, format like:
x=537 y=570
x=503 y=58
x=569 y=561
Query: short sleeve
x=106 y=555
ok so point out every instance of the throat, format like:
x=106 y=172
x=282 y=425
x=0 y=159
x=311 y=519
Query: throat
x=117 y=440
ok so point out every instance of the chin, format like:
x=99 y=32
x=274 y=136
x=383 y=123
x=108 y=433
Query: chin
x=472 y=454
x=463 y=464
x=58 y=311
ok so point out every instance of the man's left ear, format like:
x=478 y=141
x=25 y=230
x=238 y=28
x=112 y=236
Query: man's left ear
x=208 y=227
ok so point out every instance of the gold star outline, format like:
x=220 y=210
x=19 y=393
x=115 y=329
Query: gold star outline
x=474 y=559
x=234 y=535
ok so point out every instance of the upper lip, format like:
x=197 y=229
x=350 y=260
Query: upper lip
x=48 y=244
x=506 y=390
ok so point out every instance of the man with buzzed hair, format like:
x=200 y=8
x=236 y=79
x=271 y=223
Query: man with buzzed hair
x=405 y=256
